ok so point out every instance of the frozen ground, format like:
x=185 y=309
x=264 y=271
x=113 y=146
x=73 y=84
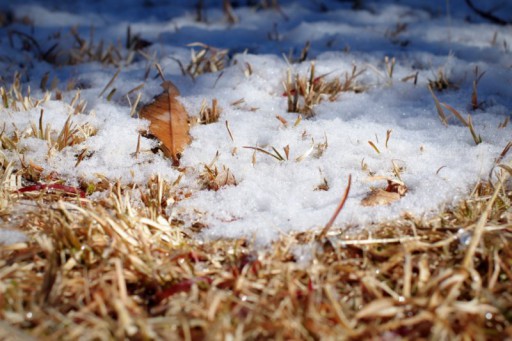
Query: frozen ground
x=440 y=163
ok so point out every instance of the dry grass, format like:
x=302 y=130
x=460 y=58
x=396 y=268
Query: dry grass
x=15 y=99
x=211 y=114
x=110 y=269
x=207 y=59
x=82 y=50
x=304 y=92
x=466 y=122
x=106 y=269
x=441 y=82
x=70 y=134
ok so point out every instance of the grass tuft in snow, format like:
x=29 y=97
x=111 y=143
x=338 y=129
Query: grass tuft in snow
x=69 y=135
x=81 y=50
x=212 y=178
x=304 y=92
x=16 y=99
x=211 y=114
x=207 y=60
x=441 y=82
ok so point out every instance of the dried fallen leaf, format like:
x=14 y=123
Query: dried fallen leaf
x=393 y=192
x=169 y=121
x=396 y=187
x=379 y=197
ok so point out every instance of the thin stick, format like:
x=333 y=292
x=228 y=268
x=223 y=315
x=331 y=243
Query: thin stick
x=338 y=209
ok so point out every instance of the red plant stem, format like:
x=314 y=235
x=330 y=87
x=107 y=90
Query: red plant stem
x=183 y=286
x=58 y=187
x=338 y=209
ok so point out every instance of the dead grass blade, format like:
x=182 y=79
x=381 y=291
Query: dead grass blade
x=479 y=227
x=439 y=108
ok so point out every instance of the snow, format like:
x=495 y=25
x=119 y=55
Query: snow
x=272 y=198
x=8 y=237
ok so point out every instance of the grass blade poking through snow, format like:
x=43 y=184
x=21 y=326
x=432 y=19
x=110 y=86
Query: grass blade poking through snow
x=338 y=209
x=439 y=108
x=276 y=156
x=468 y=123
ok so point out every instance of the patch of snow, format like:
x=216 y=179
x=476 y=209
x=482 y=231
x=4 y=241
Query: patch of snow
x=441 y=164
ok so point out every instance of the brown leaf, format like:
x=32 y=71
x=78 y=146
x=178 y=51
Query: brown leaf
x=393 y=192
x=396 y=187
x=169 y=121
x=380 y=197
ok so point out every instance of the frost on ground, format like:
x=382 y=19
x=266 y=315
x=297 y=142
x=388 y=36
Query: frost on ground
x=388 y=126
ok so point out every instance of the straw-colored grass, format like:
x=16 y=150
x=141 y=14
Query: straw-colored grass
x=108 y=270
x=83 y=49
x=208 y=59
x=304 y=92
x=208 y=114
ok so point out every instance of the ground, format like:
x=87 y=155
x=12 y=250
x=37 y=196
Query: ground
x=346 y=176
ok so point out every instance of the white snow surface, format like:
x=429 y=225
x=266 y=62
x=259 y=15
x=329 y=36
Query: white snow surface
x=441 y=163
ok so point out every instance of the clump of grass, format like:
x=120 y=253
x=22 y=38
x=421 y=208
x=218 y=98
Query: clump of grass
x=303 y=93
x=17 y=99
x=212 y=178
x=156 y=196
x=69 y=135
x=389 y=69
x=211 y=114
x=441 y=82
x=207 y=60
x=83 y=50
